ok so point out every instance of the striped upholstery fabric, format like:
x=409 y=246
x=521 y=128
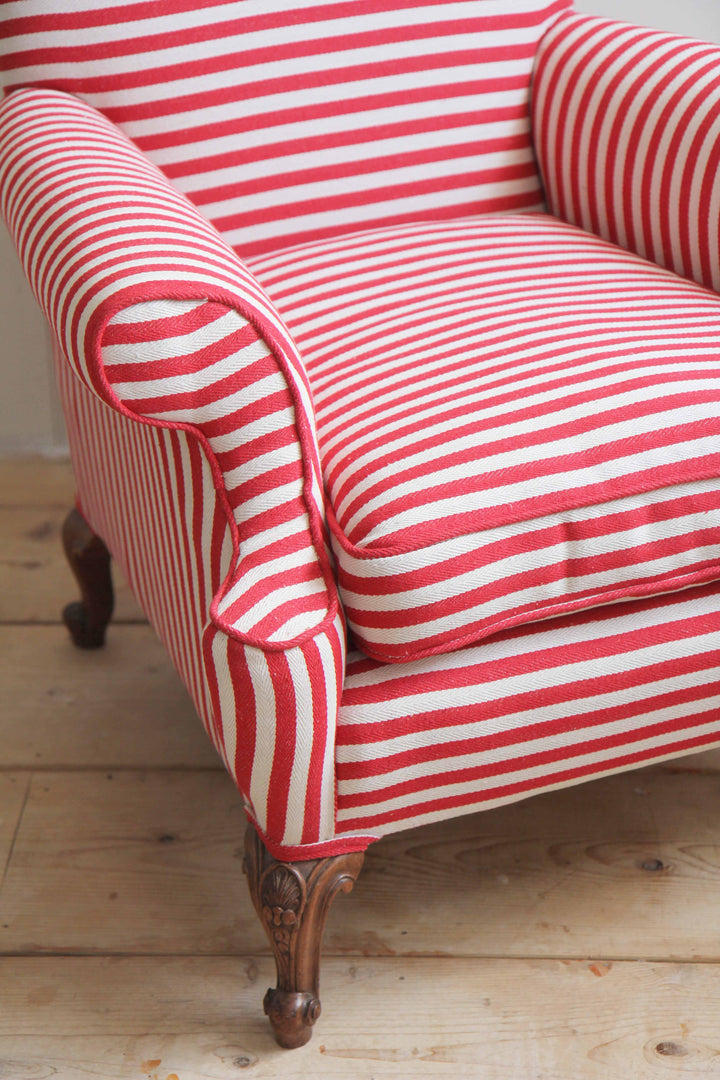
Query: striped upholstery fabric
x=134 y=489
x=114 y=254
x=191 y=416
x=627 y=129
x=221 y=356
x=149 y=491
x=505 y=435
x=286 y=121
x=198 y=362
x=533 y=709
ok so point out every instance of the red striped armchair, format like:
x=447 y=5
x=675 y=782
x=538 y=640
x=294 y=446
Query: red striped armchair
x=387 y=336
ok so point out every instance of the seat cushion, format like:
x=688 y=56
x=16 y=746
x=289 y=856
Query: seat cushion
x=516 y=419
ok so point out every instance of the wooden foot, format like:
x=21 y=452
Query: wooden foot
x=89 y=560
x=293 y=900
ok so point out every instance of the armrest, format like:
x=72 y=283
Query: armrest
x=160 y=320
x=627 y=132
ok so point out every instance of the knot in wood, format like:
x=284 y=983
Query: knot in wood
x=668 y=1048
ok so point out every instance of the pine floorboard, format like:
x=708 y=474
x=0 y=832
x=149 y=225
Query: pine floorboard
x=121 y=706
x=196 y=1017
x=571 y=936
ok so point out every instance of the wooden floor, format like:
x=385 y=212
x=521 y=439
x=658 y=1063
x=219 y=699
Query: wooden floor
x=575 y=935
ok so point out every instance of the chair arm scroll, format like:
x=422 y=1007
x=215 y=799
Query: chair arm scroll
x=159 y=319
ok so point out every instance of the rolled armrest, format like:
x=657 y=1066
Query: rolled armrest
x=627 y=132
x=158 y=318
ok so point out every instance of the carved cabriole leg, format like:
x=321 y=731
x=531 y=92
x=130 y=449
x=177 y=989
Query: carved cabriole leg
x=292 y=900
x=89 y=560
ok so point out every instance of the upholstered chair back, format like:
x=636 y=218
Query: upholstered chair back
x=291 y=121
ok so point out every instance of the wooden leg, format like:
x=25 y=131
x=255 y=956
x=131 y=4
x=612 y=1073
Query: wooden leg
x=89 y=560
x=293 y=900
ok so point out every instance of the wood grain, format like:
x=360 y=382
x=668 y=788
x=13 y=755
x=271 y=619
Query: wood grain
x=35 y=580
x=199 y=1018
x=626 y=867
x=129 y=862
x=120 y=706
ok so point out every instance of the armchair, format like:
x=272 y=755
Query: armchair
x=415 y=473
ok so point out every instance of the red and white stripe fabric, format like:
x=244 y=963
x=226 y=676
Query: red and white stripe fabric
x=98 y=227
x=532 y=709
x=117 y=258
x=516 y=420
x=201 y=363
x=149 y=491
x=535 y=708
x=297 y=120
x=191 y=419
x=627 y=130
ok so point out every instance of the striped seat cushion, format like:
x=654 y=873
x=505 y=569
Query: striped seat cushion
x=289 y=121
x=516 y=420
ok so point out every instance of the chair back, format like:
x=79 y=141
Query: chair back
x=285 y=122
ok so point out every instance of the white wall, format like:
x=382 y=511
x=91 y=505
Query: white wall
x=30 y=414
x=30 y=418
x=695 y=18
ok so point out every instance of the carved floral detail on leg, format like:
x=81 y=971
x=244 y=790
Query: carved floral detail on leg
x=282 y=895
x=292 y=900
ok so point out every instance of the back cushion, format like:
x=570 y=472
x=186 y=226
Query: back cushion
x=297 y=121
